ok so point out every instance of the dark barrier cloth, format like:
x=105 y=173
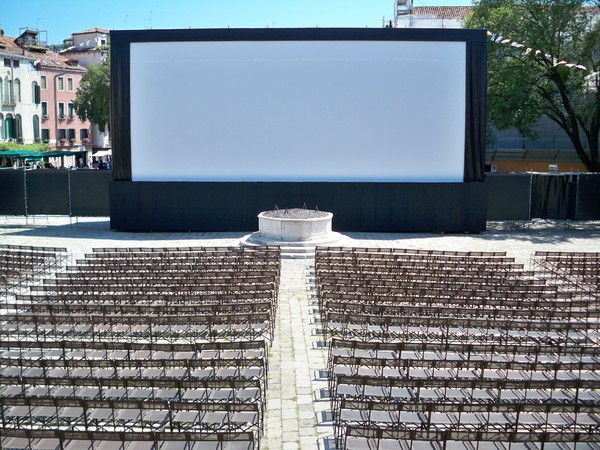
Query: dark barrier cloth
x=588 y=197
x=553 y=196
x=369 y=207
x=475 y=121
x=507 y=196
x=120 y=133
x=12 y=189
x=47 y=191
x=90 y=192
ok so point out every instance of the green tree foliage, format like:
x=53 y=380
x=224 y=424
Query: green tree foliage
x=524 y=85
x=93 y=96
x=56 y=47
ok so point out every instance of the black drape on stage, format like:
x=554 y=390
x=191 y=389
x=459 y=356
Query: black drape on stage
x=476 y=113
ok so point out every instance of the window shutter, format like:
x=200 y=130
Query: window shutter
x=10 y=128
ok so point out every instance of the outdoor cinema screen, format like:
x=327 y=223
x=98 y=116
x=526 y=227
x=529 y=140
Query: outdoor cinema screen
x=298 y=110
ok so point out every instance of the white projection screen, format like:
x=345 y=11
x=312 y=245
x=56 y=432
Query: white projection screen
x=298 y=111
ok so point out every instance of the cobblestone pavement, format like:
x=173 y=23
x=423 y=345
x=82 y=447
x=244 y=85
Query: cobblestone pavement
x=296 y=413
x=291 y=410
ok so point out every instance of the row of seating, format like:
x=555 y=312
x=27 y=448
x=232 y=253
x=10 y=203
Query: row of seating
x=138 y=357
x=20 y=264
x=106 y=440
x=257 y=257
x=421 y=351
x=576 y=269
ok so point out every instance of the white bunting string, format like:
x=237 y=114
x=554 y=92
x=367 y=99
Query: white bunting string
x=499 y=39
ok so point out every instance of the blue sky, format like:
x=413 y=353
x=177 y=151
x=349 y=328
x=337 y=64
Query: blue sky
x=62 y=17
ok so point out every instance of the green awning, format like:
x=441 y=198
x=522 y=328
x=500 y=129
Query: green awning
x=61 y=153
x=36 y=154
x=21 y=153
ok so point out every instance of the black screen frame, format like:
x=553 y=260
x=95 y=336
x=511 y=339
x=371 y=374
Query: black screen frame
x=476 y=76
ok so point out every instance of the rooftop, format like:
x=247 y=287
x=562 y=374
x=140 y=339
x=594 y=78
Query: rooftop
x=46 y=58
x=442 y=12
x=460 y=12
x=93 y=30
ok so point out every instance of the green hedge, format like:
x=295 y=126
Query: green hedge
x=14 y=146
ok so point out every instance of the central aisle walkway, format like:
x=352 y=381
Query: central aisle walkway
x=295 y=360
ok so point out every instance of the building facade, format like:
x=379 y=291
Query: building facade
x=90 y=47
x=87 y=47
x=59 y=80
x=20 y=101
x=431 y=16
x=38 y=93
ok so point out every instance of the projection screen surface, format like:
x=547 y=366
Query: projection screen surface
x=343 y=111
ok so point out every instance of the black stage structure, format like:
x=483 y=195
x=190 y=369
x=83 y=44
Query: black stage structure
x=232 y=204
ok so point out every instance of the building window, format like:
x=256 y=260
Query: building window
x=15 y=62
x=36 y=128
x=70 y=110
x=69 y=84
x=2 y=126
x=84 y=133
x=60 y=82
x=71 y=134
x=45 y=134
x=61 y=110
x=19 y=127
x=44 y=110
x=17 y=90
x=62 y=133
x=35 y=92
x=44 y=82
x=9 y=126
x=8 y=93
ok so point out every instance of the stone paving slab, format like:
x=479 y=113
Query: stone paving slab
x=519 y=239
x=294 y=411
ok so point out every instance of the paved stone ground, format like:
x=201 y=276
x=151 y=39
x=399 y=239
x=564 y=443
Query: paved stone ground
x=294 y=412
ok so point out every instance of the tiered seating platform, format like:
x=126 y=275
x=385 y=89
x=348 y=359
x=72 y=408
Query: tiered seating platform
x=463 y=349
x=141 y=348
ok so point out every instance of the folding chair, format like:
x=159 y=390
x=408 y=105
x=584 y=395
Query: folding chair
x=45 y=444
x=78 y=445
x=185 y=420
x=13 y=443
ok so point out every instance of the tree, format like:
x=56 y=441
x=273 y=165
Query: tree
x=93 y=96
x=56 y=47
x=540 y=77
